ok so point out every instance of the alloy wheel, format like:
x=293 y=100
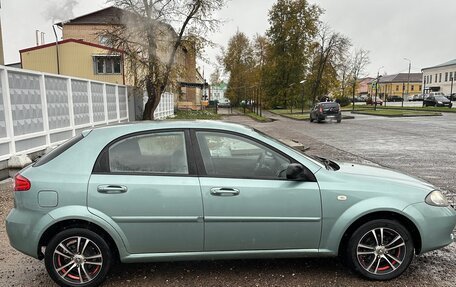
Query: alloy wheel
x=381 y=251
x=77 y=260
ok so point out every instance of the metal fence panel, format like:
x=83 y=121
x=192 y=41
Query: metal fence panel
x=57 y=102
x=40 y=109
x=26 y=105
x=80 y=102
x=98 y=102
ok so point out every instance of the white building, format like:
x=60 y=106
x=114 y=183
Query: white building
x=218 y=92
x=440 y=78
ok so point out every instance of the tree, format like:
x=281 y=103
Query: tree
x=329 y=52
x=151 y=36
x=238 y=61
x=293 y=25
x=359 y=63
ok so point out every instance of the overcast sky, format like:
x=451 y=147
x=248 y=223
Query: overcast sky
x=423 y=31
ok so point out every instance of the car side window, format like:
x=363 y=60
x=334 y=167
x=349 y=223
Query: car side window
x=228 y=155
x=161 y=153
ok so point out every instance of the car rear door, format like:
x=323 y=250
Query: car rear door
x=248 y=202
x=146 y=185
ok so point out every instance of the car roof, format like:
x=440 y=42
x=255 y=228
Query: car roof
x=171 y=124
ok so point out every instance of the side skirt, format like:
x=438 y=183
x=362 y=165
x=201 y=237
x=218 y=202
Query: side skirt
x=221 y=255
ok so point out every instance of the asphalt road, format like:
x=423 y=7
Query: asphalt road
x=422 y=147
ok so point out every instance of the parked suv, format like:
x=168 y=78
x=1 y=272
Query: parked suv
x=437 y=101
x=326 y=110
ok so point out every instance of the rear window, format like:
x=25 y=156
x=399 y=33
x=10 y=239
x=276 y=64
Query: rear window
x=330 y=105
x=58 y=151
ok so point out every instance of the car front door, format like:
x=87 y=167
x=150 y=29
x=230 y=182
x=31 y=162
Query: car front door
x=147 y=185
x=248 y=202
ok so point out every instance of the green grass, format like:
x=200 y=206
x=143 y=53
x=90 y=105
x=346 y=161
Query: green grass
x=296 y=115
x=253 y=115
x=208 y=114
x=396 y=113
x=427 y=109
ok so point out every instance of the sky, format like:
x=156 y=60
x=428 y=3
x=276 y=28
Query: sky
x=422 y=31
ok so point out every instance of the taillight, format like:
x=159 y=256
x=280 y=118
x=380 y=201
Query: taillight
x=21 y=183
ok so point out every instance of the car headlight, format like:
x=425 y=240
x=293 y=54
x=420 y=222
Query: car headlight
x=440 y=103
x=436 y=198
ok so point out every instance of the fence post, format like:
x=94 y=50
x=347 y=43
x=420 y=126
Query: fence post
x=89 y=96
x=117 y=104
x=126 y=103
x=8 y=112
x=71 y=106
x=44 y=109
x=105 y=102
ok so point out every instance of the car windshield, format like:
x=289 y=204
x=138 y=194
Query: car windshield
x=440 y=98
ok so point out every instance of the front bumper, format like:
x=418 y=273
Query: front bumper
x=24 y=229
x=435 y=224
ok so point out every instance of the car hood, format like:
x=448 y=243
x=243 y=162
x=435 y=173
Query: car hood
x=383 y=174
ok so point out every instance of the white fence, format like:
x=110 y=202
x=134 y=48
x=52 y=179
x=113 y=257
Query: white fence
x=164 y=109
x=38 y=110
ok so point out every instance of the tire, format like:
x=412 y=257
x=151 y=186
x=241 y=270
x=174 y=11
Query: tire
x=311 y=119
x=80 y=245
x=396 y=240
x=339 y=120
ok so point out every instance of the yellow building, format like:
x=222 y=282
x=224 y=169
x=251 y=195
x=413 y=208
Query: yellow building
x=85 y=52
x=402 y=85
x=76 y=58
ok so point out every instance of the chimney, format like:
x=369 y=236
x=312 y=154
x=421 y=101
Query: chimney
x=37 y=36
x=42 y=38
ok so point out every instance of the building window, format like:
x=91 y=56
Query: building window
x=430 y=79
x=446 y=77
x=107 y=65
x=397 y=87
x=105 y=41
x=421 y=87
x=440 y=77
x=412 y=87
x=451 y=76
x=435 y=78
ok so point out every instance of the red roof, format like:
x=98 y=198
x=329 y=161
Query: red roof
x=68 y=41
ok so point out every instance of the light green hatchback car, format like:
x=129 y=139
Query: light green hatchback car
x=166 y=191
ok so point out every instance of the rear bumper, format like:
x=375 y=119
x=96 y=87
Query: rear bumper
x=24 y=229
x=436 y=225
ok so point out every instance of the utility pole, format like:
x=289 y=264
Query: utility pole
x=408 y=79
x=302 y=97
x=451 y=89
x=376 y=87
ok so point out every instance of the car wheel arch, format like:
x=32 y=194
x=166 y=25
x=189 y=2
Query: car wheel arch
x=391 y=215
x=115 y=242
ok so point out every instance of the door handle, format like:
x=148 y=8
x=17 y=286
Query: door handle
x=111 y=189
x=223 y=191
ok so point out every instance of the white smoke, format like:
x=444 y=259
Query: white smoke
x=60 y=11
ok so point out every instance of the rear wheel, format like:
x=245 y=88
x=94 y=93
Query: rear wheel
x=78 y=257
x=380 y=249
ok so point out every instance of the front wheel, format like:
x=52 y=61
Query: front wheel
x=78 y=257
x=380 y=249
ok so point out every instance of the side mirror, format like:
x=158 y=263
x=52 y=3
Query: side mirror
x=296 y=171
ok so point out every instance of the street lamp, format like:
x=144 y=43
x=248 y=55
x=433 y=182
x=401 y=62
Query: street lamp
x=376 y=87
x=452 y=75
x=408 y=79
x=302 y=96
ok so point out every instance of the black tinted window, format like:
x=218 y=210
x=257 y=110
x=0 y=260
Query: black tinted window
x=330 y=105
x=152 y=153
